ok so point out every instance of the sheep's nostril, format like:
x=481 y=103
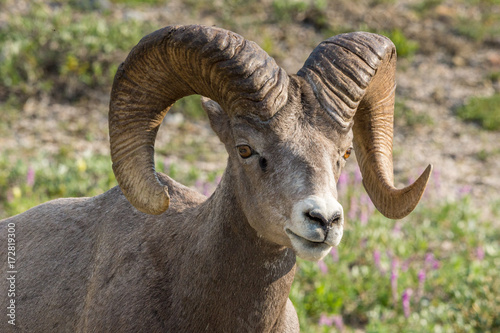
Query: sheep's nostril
x=334 y=221
x=317 y=217
x=322 y=221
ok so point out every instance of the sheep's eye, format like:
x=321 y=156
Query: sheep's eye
x=245 y=151
x=347 y=153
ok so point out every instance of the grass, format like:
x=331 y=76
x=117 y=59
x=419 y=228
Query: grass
x=65 y=49
x=484 y=111
x=190 y=106
x=404 y=115
x=434 y=271
x=27 y=182
x=50 y=51
x=483 y=25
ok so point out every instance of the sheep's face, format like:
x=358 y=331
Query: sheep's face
x=287 y=170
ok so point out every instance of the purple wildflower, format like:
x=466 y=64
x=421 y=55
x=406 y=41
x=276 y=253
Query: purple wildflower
x=199 y=185
x=207 y=189
x=353 y=211
x=464 y=190
x=322 y=267
x=343 y=180
x=421 y=283
x=431 y=261
x=325 y=320
x=376 y=260
x=335 y=254
x=396 y=230
x=339 y=323
x=364 y=216
x=479 y=253
x=367 y=208
x=357 y=176
x=429 y=257
x=368 y=203
x=30 y=177
x=405 y=265
x=365 y=199
x=406 y=301
x=421 y=276
x=394 y=280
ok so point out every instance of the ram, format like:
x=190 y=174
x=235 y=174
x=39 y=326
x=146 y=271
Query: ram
x=151 y=255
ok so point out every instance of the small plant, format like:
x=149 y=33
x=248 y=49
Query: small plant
x=424 y=7
x=494 y=76
x=484 y=111
x=404 y=115
x=63 y=56
x=286 y=10
x=24 y=184
x=190 y=106
x=405 y=47
x=310 y=12
x=483 y=24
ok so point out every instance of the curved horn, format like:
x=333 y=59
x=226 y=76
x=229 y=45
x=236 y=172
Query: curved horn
x=167 y=65
x=353 y=77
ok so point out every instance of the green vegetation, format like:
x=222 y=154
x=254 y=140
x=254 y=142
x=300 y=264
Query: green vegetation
x=483 y=25
x=483 y=110
x=64 y=50
x=309 y=11
x=190 y=106
x=26 y=184
x=405 y=116
x=137 y=3
x=434 y=271
x=49 y=50
x=404 y=46
x=494 y=76
x=424 y=7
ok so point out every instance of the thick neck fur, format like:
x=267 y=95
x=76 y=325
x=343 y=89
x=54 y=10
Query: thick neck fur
x=231 y=279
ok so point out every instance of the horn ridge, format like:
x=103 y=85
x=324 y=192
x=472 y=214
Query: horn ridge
x=364 y=60
x=369 y=61
x=167 y=65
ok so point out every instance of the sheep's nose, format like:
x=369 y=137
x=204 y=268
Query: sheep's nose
x=326 y=223
x=316 y=224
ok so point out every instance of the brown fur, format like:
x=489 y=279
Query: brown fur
x=97 y=264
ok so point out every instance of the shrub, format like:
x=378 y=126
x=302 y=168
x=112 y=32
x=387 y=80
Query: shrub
x=67 y=51
x=482 y=110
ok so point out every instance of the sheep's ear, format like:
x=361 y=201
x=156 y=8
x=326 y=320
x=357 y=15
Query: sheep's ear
x=219 y=120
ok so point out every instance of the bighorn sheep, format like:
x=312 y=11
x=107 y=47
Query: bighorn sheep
x=123 y=262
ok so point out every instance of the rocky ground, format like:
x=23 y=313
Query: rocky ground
x=444 y=73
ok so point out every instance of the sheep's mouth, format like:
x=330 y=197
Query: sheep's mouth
x=293 y=235
x=307 y=248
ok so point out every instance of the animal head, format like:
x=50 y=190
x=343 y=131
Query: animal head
x=287 y=136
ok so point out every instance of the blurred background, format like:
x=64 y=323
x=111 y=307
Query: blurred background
x=434 y=271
